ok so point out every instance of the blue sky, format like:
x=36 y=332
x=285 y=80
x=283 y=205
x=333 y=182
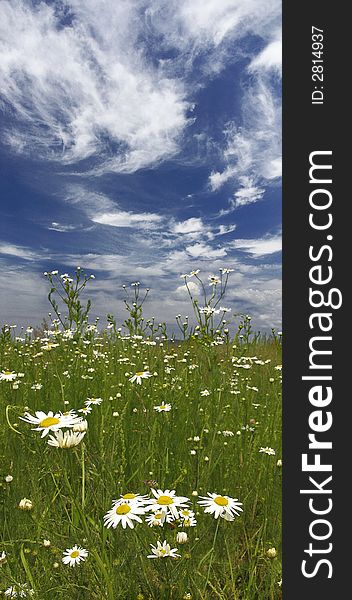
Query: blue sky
x=140 y=140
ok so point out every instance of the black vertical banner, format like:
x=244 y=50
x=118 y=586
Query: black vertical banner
x=317 y=232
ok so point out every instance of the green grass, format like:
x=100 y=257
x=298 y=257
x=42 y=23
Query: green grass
x=72 y=489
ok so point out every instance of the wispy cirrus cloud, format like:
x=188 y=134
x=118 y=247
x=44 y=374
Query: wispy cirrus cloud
x=104 y=101
x=61 y=227
x=270 y=58
x=210 y=25
x=109 y=103
x=252 y=151
x=123 y=218
x=99 y=208
x=18 y=251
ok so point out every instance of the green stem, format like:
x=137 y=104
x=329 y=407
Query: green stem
x=83 y=477
x=212 y=555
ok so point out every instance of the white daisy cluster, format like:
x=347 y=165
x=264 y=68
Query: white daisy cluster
x=19 y=591
x=166 y=507
x=55 y=422
x=76 y=426
x=125 y=510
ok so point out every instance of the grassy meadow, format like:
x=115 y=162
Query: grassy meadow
x=201 y=415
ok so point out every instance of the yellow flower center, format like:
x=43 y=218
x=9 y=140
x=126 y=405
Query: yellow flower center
x=129 y=496
x=158 y=515
x=140 y=373
x=185 y=512
x=74 y=554
x=165 y=500
x=123 y=509
x=49 y=422
x=8 y=372
x=221 y=501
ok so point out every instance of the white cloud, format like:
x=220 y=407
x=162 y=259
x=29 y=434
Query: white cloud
x=269 y=59
x=99 y=208
x=252 y=150
x=108 y=100
x=201 y=250
x=181 y=290
x=259 y=247
x=89 y=90
x=121 y=218
x=23 y=296
x=251 y=288
x=77 y=90
x=61 y=228
x=192 y=225
x=217 y=179
x=248 y=193
x=257 y=143
x=225 y=229
x=208 y=23
x=18 y=251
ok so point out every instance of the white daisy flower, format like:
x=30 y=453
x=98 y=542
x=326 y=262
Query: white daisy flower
x=167 y=501
x=66 y=440
x=131 y=498
x=221 y=506
x=207 y=310
x=268 y=451
x=187 y=518
x=188 y=522
x=81 y=426
x=226 y=271
x=163 y=407
x=137 y=377
x=25 y=504
x=50 y=422
x=8 y=376
x=95 y=401
x=163 y=551
x=213 y=280
x=86 y=410
x=124 y=513
x=158 y=519
x=73 y=556
x=185 y=513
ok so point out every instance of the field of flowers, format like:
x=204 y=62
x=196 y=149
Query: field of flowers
x=137 y=466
